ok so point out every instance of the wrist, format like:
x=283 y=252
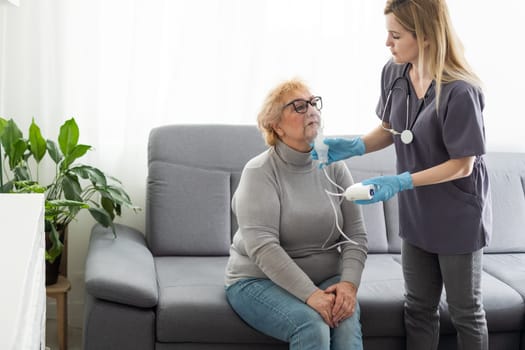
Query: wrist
x=350 y=285
x=406 y=181
x=316 y=291
x=360 y=146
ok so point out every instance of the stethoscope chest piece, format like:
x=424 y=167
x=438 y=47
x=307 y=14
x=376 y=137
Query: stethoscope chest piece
x=407 y=136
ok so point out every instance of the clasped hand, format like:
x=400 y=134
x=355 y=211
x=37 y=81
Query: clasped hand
x=335 y=304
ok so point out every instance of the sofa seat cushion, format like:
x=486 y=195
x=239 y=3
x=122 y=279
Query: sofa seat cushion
x=193 y=306
x=381 y=297
x=504 y=307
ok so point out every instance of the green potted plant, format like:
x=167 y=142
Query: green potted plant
x=74 y=186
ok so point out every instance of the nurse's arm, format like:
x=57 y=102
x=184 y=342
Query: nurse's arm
x=377 y=139
x=447 y=171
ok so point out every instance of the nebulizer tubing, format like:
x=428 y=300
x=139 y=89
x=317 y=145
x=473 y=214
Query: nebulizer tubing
x=336 y=223
x=322 y=153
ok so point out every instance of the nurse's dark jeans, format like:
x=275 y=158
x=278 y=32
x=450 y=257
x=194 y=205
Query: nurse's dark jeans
x=277 y=313
x=425 y=274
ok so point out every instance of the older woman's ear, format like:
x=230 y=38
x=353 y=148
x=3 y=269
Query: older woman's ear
x=278 y=130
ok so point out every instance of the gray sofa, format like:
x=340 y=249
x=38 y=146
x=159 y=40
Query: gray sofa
x=164 y=290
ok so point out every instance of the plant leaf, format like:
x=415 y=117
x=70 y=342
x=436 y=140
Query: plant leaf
x=118 y=209
x=107 y=204
x=115 y=180
x=3 y=123
x=21 y=173
x=119 y=196
x=65 y=203
x=7 y=187
x=77 y=152
x=71 y=187
x=62 y=211
x=37 y=142
x=13 y=142
x=68 y=136
x=17 y=153
x=10 y=133
x=29 y=187
x=101 y=216
x=54 y=152
x=96 y=176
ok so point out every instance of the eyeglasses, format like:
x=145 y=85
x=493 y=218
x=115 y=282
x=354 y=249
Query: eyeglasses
x=301 y=106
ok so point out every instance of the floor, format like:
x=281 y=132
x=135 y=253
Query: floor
x=74 y=336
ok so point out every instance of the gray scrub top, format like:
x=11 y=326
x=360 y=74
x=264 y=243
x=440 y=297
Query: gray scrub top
x=454 y=217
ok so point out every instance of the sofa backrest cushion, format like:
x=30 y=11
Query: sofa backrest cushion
x=192 y=173
x=381 y=219
x=192 y=201
x=507 y=181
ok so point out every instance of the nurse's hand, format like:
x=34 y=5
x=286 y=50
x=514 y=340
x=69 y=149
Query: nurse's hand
x=341 y=148
x=387 y=186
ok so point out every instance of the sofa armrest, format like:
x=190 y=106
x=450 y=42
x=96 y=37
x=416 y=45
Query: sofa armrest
x=121 y=269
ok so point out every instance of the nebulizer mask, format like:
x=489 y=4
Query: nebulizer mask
x=354 y=192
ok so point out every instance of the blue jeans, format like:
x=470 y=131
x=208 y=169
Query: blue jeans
x=273 y=311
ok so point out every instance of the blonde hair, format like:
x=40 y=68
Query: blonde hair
x=272 y=108
x=429 y=21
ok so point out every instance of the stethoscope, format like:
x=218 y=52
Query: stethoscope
x=407 y=136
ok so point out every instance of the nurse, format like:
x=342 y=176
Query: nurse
x=431 y=110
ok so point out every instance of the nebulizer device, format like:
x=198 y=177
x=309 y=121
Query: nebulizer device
x=357 y=191
x=320 y=147
x=354 y=192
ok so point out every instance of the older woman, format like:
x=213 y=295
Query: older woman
x=291 y=274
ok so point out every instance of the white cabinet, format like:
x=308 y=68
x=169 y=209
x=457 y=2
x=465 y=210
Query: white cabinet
x=22 y=272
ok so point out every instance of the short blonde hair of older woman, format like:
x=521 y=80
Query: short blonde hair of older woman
x=272 y=108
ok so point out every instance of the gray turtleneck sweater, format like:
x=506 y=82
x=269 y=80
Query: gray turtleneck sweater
x=285 y=219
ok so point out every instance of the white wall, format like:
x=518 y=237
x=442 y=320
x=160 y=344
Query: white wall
x=121 y=67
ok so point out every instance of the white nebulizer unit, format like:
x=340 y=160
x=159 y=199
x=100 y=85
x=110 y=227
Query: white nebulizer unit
x=320 y=147
x=359 y=191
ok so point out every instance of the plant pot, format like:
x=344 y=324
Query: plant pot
x=59 y=266
x=52 y=271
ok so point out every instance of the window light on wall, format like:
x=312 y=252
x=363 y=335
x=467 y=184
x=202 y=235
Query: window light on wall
x=10 y=2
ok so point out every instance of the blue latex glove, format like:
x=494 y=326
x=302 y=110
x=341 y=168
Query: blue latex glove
x=387 y=186
x=341 y=148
